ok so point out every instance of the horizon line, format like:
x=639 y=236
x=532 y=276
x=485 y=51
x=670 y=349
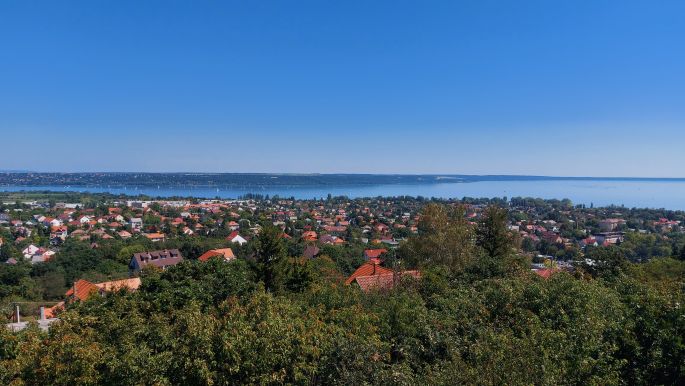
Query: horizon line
x=15 y=171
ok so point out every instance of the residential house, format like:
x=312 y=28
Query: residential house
x=371 y=276
x=309 y=236
x=588 y=241
x=546 y=273
x=374 y=253
x=552 y=237
x=611 y=224
x=31 y=250
x=136 y=223
x=83 y=289
x=160 y=259
x=42 y=256
x=155 y=237
x=235 y=237
x=58 y=232
x=331 y=240
x=609 y=238
x=224 y=253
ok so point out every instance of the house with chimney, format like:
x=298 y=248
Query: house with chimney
x=372 y=276
x=82 y=290
x=374 y=253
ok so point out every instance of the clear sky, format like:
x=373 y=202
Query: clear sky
x=569 y=88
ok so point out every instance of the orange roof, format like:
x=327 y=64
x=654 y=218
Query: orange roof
x=546 y=272
x=208 y=255
x=374 y=253
x=309 y=234
x=154 y=235
x=51 y=312
x=383 y=281
x=83 y=288
x=370 y=268
x=227 y=254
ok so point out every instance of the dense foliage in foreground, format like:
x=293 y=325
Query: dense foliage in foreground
x=477 y=316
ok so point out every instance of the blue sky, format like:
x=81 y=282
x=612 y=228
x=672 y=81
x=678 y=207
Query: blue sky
x=571 y=88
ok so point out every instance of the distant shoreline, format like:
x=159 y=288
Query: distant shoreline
x=258 y=180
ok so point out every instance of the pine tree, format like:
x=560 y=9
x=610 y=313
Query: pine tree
x=492 y=234
x=270 y=252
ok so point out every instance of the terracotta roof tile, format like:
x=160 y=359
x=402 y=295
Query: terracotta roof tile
x=83 y=289
x=227 y=254
x=374 y=253
x=369 y=268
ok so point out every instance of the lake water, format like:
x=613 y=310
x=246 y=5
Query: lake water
x=648 y=194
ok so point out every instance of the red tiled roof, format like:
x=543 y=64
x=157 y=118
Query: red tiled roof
x=369 y=268
x=546 y=272
x=83 y=288
x=309 y=236
x=374 y=253
x=51 y=312
x=208 y=255
x=227 y=254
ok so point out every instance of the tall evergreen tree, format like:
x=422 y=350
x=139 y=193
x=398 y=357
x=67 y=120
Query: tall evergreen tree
x=492 y=234
x=270 y=252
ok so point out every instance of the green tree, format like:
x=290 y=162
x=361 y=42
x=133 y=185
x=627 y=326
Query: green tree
x=297 y=274
x=444 y=238
x=605 y=262
x=492 y=234
x=270 y=253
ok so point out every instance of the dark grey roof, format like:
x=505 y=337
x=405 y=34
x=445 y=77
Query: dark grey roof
x=160 y=259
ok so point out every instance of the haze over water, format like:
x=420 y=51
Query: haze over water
x=647 y=194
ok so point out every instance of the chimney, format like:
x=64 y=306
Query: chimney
x=16 y=313
x=42 y=312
